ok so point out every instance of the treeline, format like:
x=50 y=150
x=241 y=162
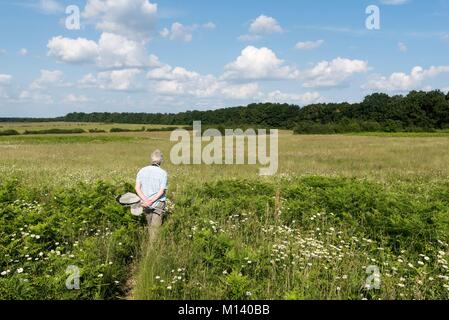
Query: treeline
x=417 y=111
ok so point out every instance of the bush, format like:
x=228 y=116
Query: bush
x=118 y=130
x=9 y=133
x=55 y=131
x=42 y=233
x=96 y=131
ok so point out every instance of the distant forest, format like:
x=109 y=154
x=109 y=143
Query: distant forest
x=417 y=111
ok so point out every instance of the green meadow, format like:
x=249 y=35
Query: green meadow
x=346 y=217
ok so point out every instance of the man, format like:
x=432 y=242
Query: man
x=151 y=187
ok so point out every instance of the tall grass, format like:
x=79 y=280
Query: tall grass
x=309 y=238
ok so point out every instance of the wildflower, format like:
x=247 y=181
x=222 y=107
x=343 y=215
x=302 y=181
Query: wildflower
x=169 y=287
x=20 y=270
x=158 y=277
x=401 y=285
x=248 y=294
x=420 y=263
x=100 y=275
x=4 y=273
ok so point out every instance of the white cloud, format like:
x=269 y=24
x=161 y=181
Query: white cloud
x=394 y=2
x=181 y=32
x=209 y=25
x=400 y=81
x=301 y=99
x=178 y=32
x=23 y=52
x=78 y=50
x=402 y=47
x=179 y=81
x=36 y=96
x=258 y=63
x=118 y=80
x=117 y=52
x=73 y=98
x=134 y=19
x=262 y=26
x=171 y=81
x=111 y=51
x=333 y=73
x=50 y=6
x=241 y=91
x=309 y=45
x=47 y=78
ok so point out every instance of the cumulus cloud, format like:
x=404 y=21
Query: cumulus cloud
x=111 y=51
x=78 y=50
x=241 y=91
x=46 y=79
x=184 y=33
x=262 y=26
x=134 y=19
x=333 y=73
x=309 y=45
x=117 y=80
x=258 y=63
x=400 y=81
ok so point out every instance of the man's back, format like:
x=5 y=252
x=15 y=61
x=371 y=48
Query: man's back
x=152 y=179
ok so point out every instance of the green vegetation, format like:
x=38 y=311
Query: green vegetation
x=301 y=238
x=42 y=232
x=339 y=204
x=9 y=133
x=116 y=130
x=96 y=131
x=55 y=131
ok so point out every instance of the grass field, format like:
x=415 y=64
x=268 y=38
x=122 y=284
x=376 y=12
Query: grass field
x=32 y=126
x=338 y=205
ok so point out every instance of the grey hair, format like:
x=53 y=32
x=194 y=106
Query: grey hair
x=157 y=157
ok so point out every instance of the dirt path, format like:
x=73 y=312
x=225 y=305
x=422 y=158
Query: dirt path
x=153 y=233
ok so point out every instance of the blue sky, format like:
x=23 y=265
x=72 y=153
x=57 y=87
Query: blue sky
x=171 y=56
